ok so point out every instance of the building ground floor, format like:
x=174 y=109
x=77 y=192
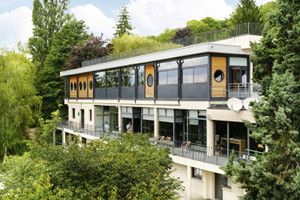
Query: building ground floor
x=200 y=140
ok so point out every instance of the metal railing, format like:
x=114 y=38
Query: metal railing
x=92 y=130
x=195 y=151
x=237 y=90
x=210 y=36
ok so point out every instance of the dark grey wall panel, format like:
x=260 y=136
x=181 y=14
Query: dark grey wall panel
x=195 y=91
x=127 y=92
x=100 y=93
x=112 y=93
x=141 y=92
x=167 y=91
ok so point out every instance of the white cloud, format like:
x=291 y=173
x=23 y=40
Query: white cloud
x=16 y=26
x=95 y=19
x=154 y=16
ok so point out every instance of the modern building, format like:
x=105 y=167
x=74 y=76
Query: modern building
x=180 y=98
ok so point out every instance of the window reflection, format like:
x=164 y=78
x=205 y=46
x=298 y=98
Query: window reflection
x=195 y=70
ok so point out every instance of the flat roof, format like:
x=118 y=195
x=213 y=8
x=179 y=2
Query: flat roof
x=158 y=56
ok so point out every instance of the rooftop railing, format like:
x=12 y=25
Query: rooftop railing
x=221 y=34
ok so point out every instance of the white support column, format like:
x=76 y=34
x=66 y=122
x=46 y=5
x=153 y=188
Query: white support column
x=63 y=137
x=120 y=119
x=156 y=123
x=188 y=182
x=210 y=136
x=208 y=185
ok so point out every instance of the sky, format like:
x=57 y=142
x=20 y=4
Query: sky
x=148 y=17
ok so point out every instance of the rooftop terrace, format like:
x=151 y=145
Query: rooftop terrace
x=211 y=36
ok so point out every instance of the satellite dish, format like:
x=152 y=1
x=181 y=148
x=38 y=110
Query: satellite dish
x=247 y=102
x=235 y=104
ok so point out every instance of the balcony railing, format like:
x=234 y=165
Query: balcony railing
x=237 y=90
x=194 y=151
x=225 y=33
x=91 y=130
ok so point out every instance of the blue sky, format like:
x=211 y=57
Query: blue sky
x=149 y=17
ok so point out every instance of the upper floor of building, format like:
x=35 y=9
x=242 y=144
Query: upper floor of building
x=201 y=72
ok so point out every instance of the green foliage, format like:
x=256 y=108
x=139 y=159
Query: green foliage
x=19 y=105
x=276 y=173
x=124 y=168
x=136 y=45
x=266 y=10
x=47 y=126
x=204 y=25
x=94 y=47
x=246 y=11
x=25 y=178
x=73 y=32
x=166 y=36
x=123 y=26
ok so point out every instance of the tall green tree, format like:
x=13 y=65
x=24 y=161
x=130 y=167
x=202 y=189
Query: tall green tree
x=276 y=174
x=246 y=11
x=204 y=25
x=72 y=33
x=55 y=31
x=123 y=26
x=48 y=17
x=19 y=104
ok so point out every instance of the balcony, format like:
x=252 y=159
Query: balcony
x=91 y=130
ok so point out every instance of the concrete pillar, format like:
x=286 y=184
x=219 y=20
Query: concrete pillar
x=63 y=137
x=188 y=182
x=208 y=184
x=210 y=137
x=120 y=119
x=54 y=138
x=156 y=123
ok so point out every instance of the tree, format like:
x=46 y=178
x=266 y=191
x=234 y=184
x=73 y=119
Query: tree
x=94 y=47
x=72 y=33
x=204 y=25
x=183 y=36
x=266 y=9
x=48 y=17
x=26 y=178
x=246 y=11
x=130 y=45
x=166 y=36
x=128 y=167
x=123 y=26
x=276 y=174
x=19 y=104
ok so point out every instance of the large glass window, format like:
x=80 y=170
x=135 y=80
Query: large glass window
x=168 y=73
x=100 y=79
x=112 y=78
x=196 y=127
x=141 y=75
x=128 y=77
x=195 y=70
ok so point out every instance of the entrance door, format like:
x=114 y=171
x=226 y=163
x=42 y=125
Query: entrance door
x=82 y=118
x=218 y=78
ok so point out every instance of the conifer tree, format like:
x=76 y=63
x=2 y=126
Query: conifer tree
x=123 y=26
x=275 y=174
x=246 y=11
